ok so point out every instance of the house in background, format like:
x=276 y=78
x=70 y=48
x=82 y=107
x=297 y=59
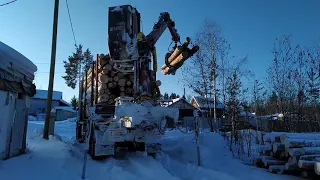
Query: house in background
x=64 y=112
x=39 y=101
x=185 y=111
x=205 y=104
x=16 y=88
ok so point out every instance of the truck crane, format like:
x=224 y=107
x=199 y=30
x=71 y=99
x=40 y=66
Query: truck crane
x=133 y=120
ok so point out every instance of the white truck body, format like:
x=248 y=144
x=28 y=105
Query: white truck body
x=132 y=123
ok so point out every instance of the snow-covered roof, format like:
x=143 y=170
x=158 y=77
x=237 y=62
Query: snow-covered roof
x=66 y=108
x=201 y=101
x=9 y=57
x=56 y=95
x=177 y=99
x=43 y=94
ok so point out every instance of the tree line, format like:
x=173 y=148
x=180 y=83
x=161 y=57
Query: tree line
x=291 y=86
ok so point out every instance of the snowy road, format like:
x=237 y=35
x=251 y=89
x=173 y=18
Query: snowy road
x=56 y=159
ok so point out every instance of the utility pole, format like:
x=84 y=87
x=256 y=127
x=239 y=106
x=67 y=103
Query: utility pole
x=52 y=68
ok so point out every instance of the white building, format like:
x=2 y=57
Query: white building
x=16 y=88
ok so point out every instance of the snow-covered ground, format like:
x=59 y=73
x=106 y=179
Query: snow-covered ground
x=57 y=158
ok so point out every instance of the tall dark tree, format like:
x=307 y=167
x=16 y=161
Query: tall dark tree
x=173 y=96
x=233 y=104
x=166 y=96
x=74 y=102
x=76 y=65
x=87 y=60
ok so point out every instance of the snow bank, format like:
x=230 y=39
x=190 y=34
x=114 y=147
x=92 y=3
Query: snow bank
x=65 y=129
x=217 y=162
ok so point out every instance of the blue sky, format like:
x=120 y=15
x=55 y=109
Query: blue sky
x=250 y=26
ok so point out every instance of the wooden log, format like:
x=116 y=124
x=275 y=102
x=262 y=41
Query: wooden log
x=112 y=73
x=104 y=86
x=286 y=153
x=275 y=138
x=267 y=146
x=129 y=83
x=278 y=147
x=104 y=79
x=183 y=56
x=294 y=151
x=172 y=56
x=278 y=169
x=110 y=84
x=120 y=75
x=122 y=94
x=298 y=143
x=295 y=159
x=317 y=168
x=306 y=136
x=122 y=89
x=304 y=164
x=309 y=157
x=122 y=82
x=116 y=78
x=258 y=161
x=291 y=166
x=270 y=162
x=309 y=150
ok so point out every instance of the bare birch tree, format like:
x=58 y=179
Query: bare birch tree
x=201 y=73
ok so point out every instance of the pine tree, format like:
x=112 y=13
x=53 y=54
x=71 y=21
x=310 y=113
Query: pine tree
x=166 y=96
x=74 y=102
x=173 y=96
x=87 y=60
x=77 y=64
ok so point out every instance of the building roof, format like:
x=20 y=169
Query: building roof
x=10 y=57
x=56 y=96
x=176 y=100
x=201 y=102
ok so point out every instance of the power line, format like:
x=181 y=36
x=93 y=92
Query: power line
x=8 y=3
x=74 y=37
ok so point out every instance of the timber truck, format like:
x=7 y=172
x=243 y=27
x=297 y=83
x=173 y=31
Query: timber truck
x=119 y=92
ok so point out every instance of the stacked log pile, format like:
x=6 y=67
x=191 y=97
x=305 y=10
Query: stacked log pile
x=291 y=153
x=111 y=82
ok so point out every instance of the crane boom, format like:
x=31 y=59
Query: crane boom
x=163 y=23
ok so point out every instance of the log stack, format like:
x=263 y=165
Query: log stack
x=291 y=153
x=111 y=82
